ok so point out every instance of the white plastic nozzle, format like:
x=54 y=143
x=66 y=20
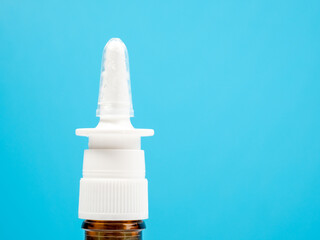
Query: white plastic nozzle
x=114 y=186
x=115 y=91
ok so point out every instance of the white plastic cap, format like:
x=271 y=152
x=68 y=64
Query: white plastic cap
x=113 y=186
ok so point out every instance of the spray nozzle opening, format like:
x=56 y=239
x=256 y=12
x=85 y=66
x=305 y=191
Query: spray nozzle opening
x=115 y=98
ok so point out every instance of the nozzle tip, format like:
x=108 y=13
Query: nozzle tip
x=115 y=91
x=115 y=44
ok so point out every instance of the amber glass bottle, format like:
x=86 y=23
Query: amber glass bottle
x=113 y=230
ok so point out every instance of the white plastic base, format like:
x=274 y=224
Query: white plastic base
x=113 y=186
x=113 y=199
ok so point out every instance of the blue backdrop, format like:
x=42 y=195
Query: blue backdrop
x=230 y=87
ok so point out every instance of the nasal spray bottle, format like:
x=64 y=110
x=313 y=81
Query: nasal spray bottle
x=113 y=190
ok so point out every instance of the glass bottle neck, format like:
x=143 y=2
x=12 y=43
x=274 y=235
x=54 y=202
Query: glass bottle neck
x=108 y=230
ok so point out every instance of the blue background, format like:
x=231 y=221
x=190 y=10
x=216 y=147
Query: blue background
x=230 y=87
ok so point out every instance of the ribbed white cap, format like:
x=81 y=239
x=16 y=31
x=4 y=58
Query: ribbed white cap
x=113 y=186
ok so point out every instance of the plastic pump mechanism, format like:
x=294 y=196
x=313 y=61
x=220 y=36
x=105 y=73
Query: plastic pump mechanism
x=115 y=100
x=113 y=186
